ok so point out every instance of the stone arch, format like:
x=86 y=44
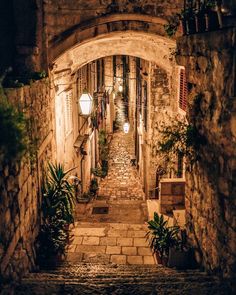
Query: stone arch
x=119 y=34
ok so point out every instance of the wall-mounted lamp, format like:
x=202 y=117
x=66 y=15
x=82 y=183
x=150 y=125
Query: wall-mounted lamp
x=126 y=127
x=86 y=103
x=120 y=88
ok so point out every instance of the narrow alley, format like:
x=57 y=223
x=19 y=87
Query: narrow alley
x=117 y=147
x=111 y=228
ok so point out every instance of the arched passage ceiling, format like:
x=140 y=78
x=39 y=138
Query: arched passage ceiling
x=151 y=47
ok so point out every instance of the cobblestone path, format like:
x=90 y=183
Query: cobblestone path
x=122 y=181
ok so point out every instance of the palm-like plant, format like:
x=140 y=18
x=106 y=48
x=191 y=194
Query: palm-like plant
x=162 y=236
x=58 y=194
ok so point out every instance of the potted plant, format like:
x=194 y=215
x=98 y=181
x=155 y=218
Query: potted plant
x=93 y=188
x=58 y=214
x=161 y=237
x=180 y=256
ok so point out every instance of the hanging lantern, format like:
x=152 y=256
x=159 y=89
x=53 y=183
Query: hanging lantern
x=86 y=103
x=126 y=127
x=120 y=88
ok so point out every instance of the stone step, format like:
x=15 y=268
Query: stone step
x=115 y=279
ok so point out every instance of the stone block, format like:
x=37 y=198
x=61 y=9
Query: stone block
x=118 y=259
x=90 y=249
x=124 y=242
x=141 y=242
x=74 y=257
x=77 y=240
x=134 y=259
x=136 y=233
x=129 y=250
x=105 y=241
x=148 y=260
x=113 y=250
x=90 y=241
x=117 y=233
x=71 y=248
x=95 y=232
x=96 y=258
x=144 y=251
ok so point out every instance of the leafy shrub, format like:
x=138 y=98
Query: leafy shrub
x=13 y=126
x=180 y=138
x=58 y=212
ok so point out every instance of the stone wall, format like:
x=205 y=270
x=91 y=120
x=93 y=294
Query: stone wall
x=210 y=61
x=61 y=15
x=162 y=107
x=20 y=184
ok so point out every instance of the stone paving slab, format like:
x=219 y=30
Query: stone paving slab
x=123 y=243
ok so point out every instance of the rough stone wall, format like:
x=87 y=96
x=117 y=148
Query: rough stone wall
x=20 y=184
x=61 y=14
x=161 y=109
x=210 y=62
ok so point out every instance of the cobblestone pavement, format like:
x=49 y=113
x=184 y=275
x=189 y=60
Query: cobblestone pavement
x=122 y=181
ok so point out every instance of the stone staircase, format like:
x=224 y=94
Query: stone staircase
x=86 y=278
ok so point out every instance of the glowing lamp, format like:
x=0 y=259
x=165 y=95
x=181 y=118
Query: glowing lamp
x=120 y=88
x=86 y=103
x=126 y=127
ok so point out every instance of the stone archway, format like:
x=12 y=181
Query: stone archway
x=154 y=48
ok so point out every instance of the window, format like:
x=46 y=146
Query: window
x=183 y=92
x=68 y=112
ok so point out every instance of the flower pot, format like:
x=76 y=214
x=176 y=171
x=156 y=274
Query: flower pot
x=179 y=259
x=157 y=258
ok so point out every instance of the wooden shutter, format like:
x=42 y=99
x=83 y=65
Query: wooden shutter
x=183 y=91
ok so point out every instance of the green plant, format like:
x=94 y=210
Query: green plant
x=180 y=138
x=161 y=236
x=57 y=208
x=172 y=26
x=93 y=188
x=15 y=81
x=52 y=239
x=103 y=145
x=99 y=172
x=14 y=137
x=58 y=194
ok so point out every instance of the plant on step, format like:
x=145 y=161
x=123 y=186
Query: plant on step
x=58 y=212
x=161 y=236
x=93 y=188
x=53 y=239
x=58 y=194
